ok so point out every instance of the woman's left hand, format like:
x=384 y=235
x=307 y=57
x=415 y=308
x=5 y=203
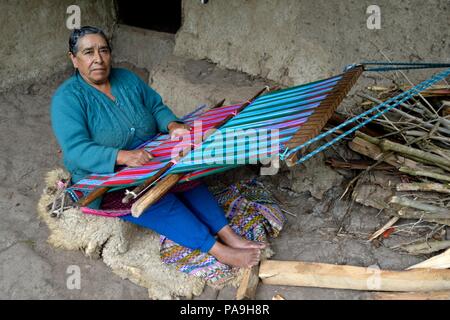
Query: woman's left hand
x=177 y=129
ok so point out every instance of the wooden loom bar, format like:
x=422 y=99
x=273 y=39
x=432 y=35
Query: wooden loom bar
x=324 y=112
x=155 y=193
x=91 y=196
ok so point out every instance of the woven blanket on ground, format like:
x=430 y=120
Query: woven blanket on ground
x=251 y=213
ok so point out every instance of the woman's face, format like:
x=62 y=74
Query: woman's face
x=93 y=58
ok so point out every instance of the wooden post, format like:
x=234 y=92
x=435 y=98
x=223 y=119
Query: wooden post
x=307 y=274
x=249 y=284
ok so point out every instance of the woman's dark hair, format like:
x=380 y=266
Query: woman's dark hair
x=79 y=33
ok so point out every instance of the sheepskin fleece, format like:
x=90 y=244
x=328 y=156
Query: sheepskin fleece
x=130 y=251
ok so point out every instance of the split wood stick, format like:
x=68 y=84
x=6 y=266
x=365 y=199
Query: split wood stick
x=373 y=151
x=379 y=142
x=387 y=145
x=249 y=284
x=441 y=261
x=423 y=123
x=423 y=173
x=432 y=295
x=418 y=133
x=427 y=247
x=356 y=165
x=389 y=224
x=409 y=213
x=406 y=106
x=422 y=186
x=407 y=115
x=321 y=275
x=438 y=212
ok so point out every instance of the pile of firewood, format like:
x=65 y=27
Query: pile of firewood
x=409 y=153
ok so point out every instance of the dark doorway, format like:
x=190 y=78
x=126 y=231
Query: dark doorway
x=163 y=15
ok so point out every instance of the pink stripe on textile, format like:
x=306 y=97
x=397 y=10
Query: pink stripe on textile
x=102 y=213
x=162 y=149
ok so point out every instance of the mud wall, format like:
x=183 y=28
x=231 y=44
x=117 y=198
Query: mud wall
x=34 y=35
x=291 y=41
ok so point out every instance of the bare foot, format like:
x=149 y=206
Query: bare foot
x=230 y=238
x=235 y=257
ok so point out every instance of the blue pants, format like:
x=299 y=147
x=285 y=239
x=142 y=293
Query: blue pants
x=191 y=218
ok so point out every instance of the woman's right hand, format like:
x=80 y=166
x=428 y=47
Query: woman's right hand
x=133 y=158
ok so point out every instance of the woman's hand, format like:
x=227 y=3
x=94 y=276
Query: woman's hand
x=133 y=158
x=177 y=129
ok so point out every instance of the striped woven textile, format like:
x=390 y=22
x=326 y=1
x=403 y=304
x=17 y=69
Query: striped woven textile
x=284 y=112
x=251 y=213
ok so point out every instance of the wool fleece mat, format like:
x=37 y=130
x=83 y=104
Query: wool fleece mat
x=166 y=269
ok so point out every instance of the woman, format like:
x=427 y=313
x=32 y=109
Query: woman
x=100 y=114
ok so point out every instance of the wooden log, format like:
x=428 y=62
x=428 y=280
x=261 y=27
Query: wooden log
x=424 y=173
x=412 y=159
x=157 y=192
x=438 y=212
x=307 y=274
x=432 y=295
x=387 y=145
x=249 y=284
x=419 y=186
x=367 y=137
x=371 y=150
x=409 y=213
x=441 y=261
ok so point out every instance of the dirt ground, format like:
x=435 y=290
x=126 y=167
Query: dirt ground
x=325 y=230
